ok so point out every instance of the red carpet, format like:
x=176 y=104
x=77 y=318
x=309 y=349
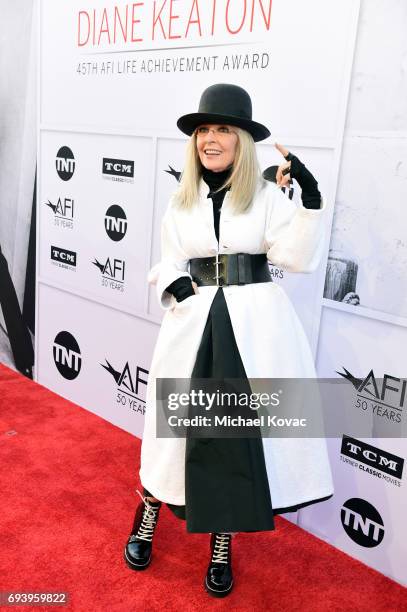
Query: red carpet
x=67 y=482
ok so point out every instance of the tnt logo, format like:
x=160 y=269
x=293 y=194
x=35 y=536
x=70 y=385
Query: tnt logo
x=115 y=222
x=65 y=163
x=362 y=522
x=67 y=355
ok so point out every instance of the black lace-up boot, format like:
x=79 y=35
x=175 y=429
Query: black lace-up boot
x=219 y=579
x=137 y=552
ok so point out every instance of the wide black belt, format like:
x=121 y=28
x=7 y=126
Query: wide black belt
x=234 y=269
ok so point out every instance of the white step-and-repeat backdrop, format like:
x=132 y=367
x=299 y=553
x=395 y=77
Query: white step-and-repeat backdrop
x=114 y=78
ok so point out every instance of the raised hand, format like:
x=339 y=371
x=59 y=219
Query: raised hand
x=283 y=176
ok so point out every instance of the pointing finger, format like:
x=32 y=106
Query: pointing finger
x=282 y=149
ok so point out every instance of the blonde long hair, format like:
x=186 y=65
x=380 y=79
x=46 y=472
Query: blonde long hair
x=243 y=180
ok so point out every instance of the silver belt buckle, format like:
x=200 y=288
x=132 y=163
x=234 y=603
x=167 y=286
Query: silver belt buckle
x=217 y=264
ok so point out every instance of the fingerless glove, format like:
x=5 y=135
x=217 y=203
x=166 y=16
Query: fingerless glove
x=181 y=288
x=310 y=195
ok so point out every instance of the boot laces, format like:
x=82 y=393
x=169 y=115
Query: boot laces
x=221 y=547
x=148 y=521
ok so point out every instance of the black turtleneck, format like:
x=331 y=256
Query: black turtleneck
x=214 y=180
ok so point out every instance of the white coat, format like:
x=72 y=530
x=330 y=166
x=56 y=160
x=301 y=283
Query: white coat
x=268 y=332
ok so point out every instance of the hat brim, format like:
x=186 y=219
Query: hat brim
x=188 y=123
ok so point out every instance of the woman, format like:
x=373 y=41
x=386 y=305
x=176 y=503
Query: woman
x=234 y=323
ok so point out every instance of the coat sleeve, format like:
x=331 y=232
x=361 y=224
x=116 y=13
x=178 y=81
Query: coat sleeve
x=174 y=261
x=295 y=235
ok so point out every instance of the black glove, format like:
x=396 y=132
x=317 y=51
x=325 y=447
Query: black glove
x=310 y=196
x=181 y=288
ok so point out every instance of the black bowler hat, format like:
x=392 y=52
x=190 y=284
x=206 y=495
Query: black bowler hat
x=224 y=103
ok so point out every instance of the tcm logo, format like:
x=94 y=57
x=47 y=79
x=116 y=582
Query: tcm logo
x=362 y=522
x=63 y=256
x=118 y=169
x=129 y=386
x=65 y=163
x=115 y=222
x=67 y=355
x=372 y=456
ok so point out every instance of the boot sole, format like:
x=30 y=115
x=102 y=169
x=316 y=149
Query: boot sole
x=217 y=593
x=133 y=565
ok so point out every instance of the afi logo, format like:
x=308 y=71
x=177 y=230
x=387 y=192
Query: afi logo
x=63 y=207
x=111 y=269
x=125 y=379
x=128 y=386
x=67 y=355
x=65 y=163
x=391 y=392
x=362 y=522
